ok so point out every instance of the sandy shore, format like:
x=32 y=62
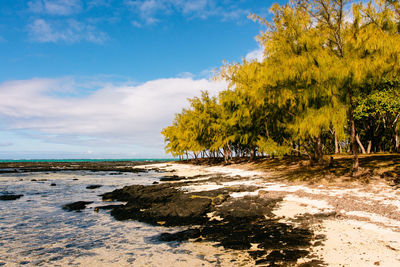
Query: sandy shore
x=360 y=224
x=343 y=223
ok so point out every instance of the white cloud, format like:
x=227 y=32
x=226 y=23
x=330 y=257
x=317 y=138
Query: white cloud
x=256 y=54
x=55 y=7
x=149 y=11
x=111 y=115
x=70 y=31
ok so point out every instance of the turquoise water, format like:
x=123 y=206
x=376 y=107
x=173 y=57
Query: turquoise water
x=81 y=160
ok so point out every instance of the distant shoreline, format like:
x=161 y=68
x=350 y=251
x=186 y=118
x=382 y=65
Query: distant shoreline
x=82 y=160
x=123 y=165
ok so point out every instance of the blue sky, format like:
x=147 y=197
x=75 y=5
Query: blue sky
x=101 y=78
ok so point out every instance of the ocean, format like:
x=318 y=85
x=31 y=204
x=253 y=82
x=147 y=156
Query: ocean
x=36 y=231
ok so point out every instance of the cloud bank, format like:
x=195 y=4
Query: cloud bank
x=58 y=112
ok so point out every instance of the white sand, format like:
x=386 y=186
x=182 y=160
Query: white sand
x=364 y=232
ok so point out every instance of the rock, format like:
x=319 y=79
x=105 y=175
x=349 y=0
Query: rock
x=10 y=197
x=247 y=207
x=141 y=195
x=234 y=223
x=155 y=182
x=182 y=210
x=106 y=207
x=171 y=178
x=243 y=223
x=52 y=184
x=160 y=203
x=180 y=236
x=76 y=206
x=257 y=253
x=75 y=179
x=286 y=255
x=93 y=186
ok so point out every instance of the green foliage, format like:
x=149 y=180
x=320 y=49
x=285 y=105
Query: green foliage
x=326 y=67
x=270 y=147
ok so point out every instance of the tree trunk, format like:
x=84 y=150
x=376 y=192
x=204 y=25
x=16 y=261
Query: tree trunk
x=369 y=147
x=353 y=141
x=225 y=155
x=318 y=150
x=360 y=144
x=336 y=144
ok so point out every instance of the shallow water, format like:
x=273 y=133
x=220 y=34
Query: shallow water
x=35 y=230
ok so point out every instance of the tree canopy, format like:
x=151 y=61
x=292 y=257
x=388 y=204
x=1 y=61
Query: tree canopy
x=328 y=81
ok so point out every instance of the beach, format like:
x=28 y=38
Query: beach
x=240 y=217
x=360 y=223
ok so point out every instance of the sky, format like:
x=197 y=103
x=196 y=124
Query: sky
x=102 y=78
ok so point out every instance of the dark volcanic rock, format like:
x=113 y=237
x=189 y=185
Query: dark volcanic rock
x=52 y=184
x=183 y=210
x=93 y=186
x=160 y=204
x=247 y=207
x=242 y=222
x=180 y=236
x=8 y=170
x=172 y=178
x=234 y=223
x=106 y=207
x=10 y=197
x=286 y=255
x=76 y=206
x=141 y=195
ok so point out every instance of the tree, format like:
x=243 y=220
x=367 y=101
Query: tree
x=377 y=116
x=319 y=59
x=330 y=70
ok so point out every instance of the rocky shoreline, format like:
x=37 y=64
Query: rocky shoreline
x=277 y=223
x=274 y=223
x=214 y=216
x=116 y=166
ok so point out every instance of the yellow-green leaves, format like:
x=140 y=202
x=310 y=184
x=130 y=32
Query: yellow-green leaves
x=320 y=56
